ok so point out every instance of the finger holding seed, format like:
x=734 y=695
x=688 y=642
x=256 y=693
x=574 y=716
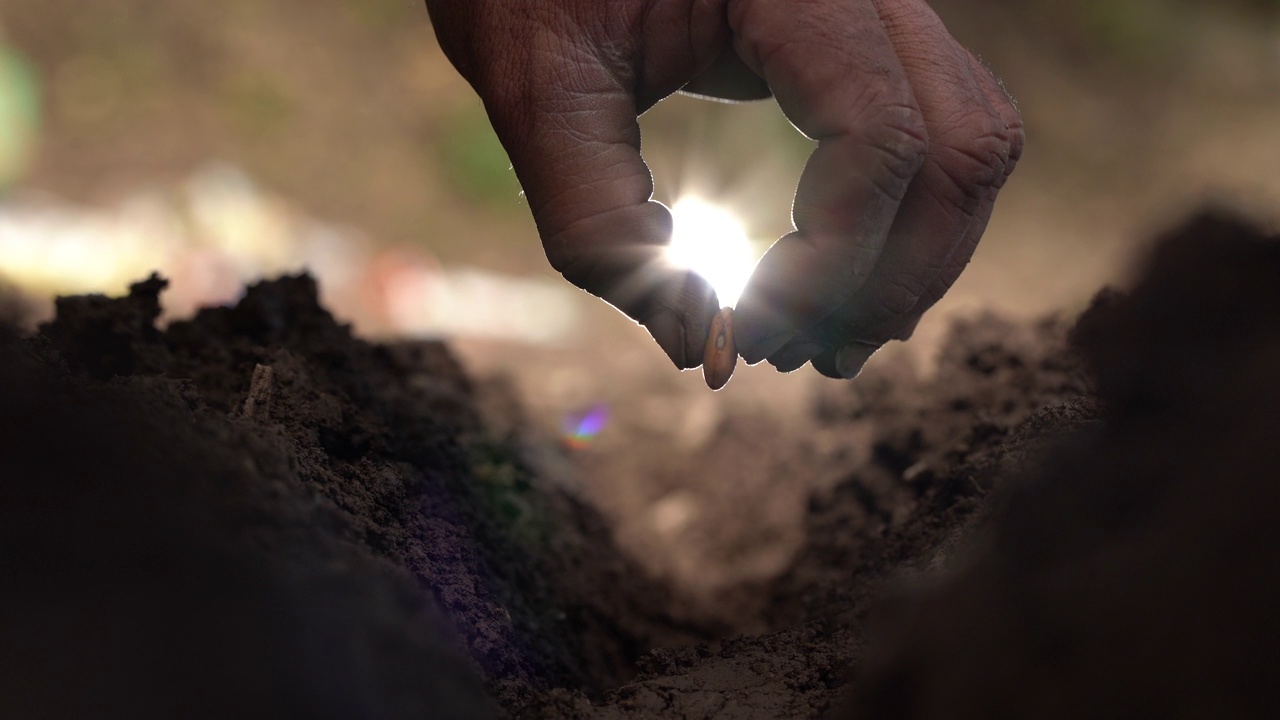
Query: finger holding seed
x=721 y=354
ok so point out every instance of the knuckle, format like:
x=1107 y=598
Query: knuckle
x=568 y=255
x=898 y=135
x=566 y=224
x=563 y=260
x=586 y=268
x=976 y=153
x=901 y=293
x=1017 y=136
x=559 y=256
x=1006 y=110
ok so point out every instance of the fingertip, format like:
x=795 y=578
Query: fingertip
x=668 y=330
x=764 y=346
x=761 y=331
x=798 y=282
x=851 y=358
x=845 y=363
x=795 y=354
x=682 y=320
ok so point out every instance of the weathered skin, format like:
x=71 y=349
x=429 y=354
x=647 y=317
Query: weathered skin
x=915 y=139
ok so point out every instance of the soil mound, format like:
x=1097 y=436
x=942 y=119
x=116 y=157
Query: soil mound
x=255 y=512
x=1133 y=571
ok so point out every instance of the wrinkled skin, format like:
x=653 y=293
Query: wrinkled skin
x=915 y=138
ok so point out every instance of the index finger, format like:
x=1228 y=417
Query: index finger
x=569 y=126
x=837 y=78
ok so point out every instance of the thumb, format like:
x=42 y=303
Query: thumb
x=574 y=142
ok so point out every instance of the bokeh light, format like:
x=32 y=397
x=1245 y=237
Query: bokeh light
x=580 y=428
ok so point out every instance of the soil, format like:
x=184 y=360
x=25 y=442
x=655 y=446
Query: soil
x=256 y=513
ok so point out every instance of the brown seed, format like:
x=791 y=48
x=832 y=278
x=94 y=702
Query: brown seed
x=720 y=355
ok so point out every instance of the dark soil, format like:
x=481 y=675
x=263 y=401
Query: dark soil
x=255 y=512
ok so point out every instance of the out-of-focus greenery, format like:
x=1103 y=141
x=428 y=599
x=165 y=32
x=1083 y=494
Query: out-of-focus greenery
x=19 y=116
x=1128 y=30
x=474 y=161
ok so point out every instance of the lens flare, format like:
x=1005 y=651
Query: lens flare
x=579 y=429
x=709 y=240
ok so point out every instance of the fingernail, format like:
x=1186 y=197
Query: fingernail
x=851 y=358
x=795 y=355
x=668 y=330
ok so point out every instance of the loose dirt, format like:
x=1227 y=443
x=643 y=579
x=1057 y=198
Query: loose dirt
x=255 y=512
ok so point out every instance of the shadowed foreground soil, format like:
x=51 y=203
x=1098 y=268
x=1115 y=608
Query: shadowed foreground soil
x=255 y=513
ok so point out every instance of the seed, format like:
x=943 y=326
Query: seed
x=720 y=355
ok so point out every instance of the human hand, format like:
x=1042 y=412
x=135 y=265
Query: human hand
x=915 y=139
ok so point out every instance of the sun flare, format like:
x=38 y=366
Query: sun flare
x=711 y=241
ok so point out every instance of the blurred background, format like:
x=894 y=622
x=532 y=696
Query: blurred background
x=223 y=142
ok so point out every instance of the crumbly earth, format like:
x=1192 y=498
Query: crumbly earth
x=254 y=512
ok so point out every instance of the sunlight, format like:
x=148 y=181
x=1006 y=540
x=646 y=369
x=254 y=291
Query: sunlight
x=711 y=241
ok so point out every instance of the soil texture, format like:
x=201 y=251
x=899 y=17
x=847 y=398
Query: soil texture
x=256 y=513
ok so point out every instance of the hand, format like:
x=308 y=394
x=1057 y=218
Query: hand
x=914 y=140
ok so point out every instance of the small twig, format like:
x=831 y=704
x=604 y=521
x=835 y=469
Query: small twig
x=257 y=405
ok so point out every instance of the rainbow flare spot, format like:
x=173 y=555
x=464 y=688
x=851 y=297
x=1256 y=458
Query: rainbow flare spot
x=579 y=429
